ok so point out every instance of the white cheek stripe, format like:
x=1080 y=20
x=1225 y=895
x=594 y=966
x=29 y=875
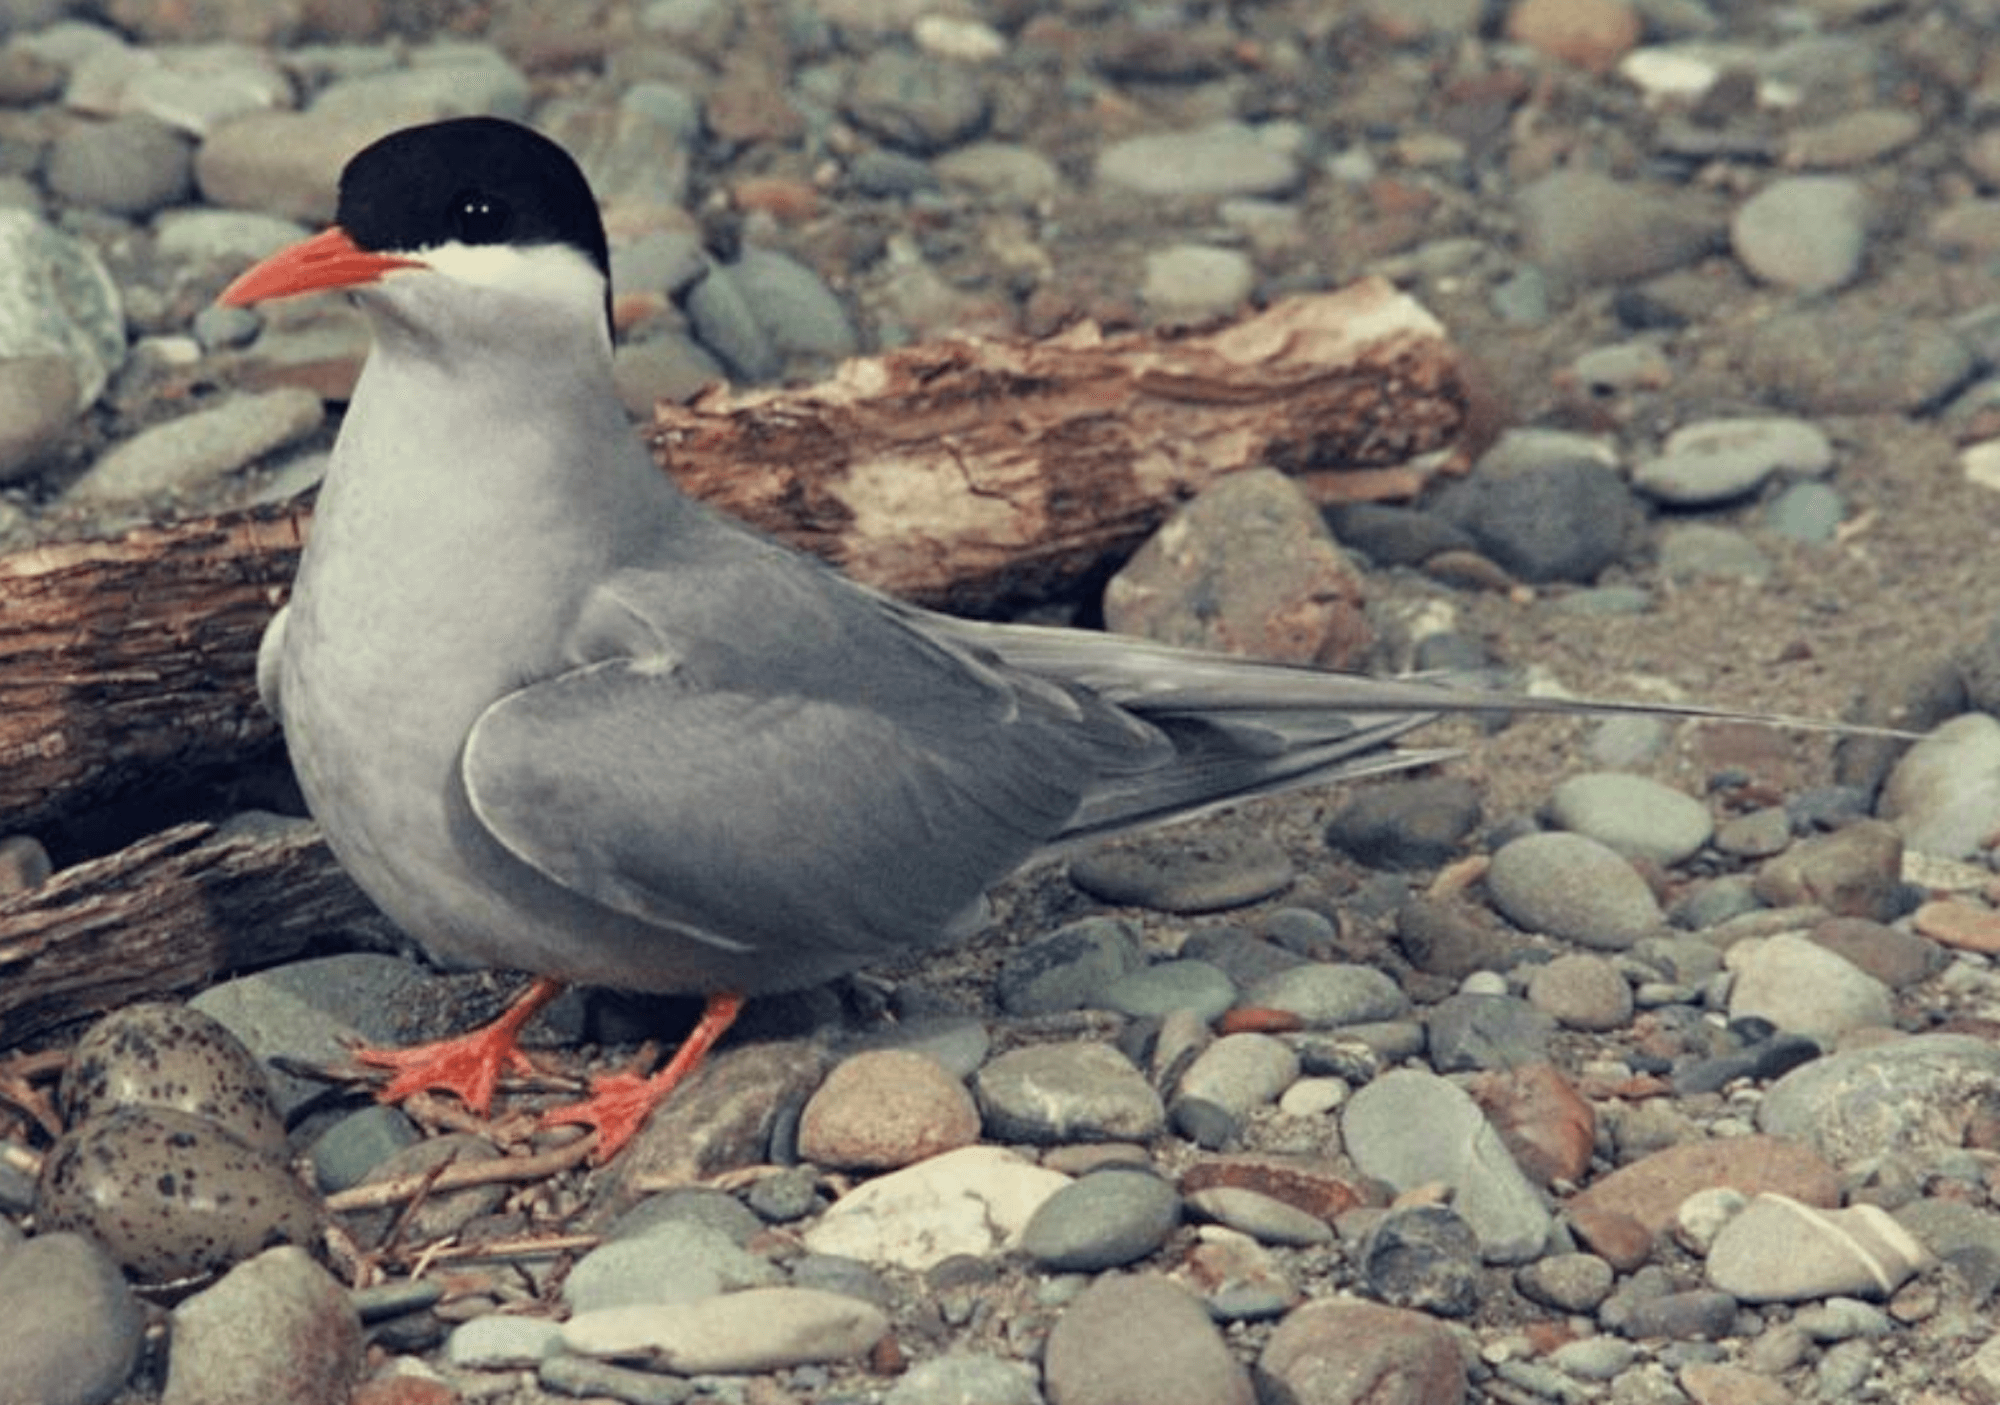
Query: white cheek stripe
x=554 y=271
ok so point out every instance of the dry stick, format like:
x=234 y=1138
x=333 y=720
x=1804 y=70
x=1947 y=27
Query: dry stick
x=460 y=1174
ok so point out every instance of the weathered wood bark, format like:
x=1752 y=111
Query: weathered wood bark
x=971 y=472
x=165 y=916
x=134 y=658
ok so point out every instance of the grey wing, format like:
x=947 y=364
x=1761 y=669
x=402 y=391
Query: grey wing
x=860 y=791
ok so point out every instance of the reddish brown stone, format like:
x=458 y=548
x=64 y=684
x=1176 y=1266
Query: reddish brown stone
x=1546 y=1125
x=1305 y=1183
x=1649 y=1191
x=1255 y=1019
x=1614 y=1236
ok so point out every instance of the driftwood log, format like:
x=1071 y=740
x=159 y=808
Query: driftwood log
x=970 y=473
x=963 y=473
x=165 y=916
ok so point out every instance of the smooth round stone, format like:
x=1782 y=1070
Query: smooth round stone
x=1072 y=968
x=1313 y=1097
x=1329 y=995
x=1241 y=1072
x=885 y=1108
x=1716 y=461
x=1635 y=815
x=961 y=1379
x=1102 y=1221
x=1829 y=361
x=1415 y=824
x=1807 y=512
x=501 y=1341
x=1558 y=515
x=347 y=1153
x=1693 y=551
x=1904 y=1098
x=798 y=312
x=1583 y=991
x=69 y=1327
x=1594 y=1358
x=1779 y=1250
x=1573 y=887
x=1225 y=159
x=579 y=1376
x=1264 y=1218
x=276 y=1327
x=1001 y=169
x=1141 y=1337
x=1803 y=232
x=1191 y=281
x=1168 y=875
x=1944 y=794
x=1196 y=986
x=1047 y=1093
x=915 y=102
x=678 y=1261
x=1802 y=988
x=758 y=1329
x=1470 y=1031
x=1329 y=1342
x=1567 y=1282
x=197 y=449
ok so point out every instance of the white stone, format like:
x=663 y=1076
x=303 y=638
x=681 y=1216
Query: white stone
x=1780 y=1250
x=1803 y=988
x=975 y=1200
x=759 y=1329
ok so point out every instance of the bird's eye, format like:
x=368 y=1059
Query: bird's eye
x=479 y=218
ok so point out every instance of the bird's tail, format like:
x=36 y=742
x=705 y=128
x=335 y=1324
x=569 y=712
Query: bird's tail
x=1242 y=728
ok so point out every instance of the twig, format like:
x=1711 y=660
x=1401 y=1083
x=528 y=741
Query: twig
x=459 y=1174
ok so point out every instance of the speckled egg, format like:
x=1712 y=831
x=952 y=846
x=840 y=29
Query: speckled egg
x=162 y=1055
x=172 y=1196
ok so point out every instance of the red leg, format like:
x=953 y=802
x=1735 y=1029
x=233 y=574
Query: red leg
x=619 y=1103
x=468 y=1065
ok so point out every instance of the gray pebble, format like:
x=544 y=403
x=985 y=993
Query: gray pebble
x=1227 y=158
x=1566 y=1282
x=1807 y=512
x=1411 y=824
x=1101 y=1221
x=797 y=312
x=1544 y=518
x=69 y=1327
x=1166 y=986
x=278 y=1327
x=57 y=298
x=1329 y=995
x=1634 y=815
x=1835 y=361
x=1049 y=1093
x=1887 y=1099
x=1264 y=1218
x=1803 y=988
x=1594 y=1358
x=126 y=166
x=1584 y=228
x=915 y=102
x=1944 y=794
x=1471 y=1031
x=1172 y=874
x=579 y=1376
x=1716 y=461
x=961 y=1378
x=678 y=1261
x=1412 y=1128
x=189 y=453
x=726 y=324
x=1193 y=282
x=1582 y=991
x=1803 y=232
x=1424 y=1257
x=1241 y=1072
x=500 y=1341
x=1698 y=551
x=1072 y=968
x=1571 y=886
x=1002 y=171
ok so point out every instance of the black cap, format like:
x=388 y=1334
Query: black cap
x=469 y=180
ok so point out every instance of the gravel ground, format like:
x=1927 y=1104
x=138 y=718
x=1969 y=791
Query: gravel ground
x=1516 y=1133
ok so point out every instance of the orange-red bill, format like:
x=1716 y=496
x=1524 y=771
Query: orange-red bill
x=329 y=259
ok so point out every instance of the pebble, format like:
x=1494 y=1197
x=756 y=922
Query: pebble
x=1140 y=1337
x=1710 y=462
x=1778 y=1250
x=1854 y=872
x=916 y=103
x=1412 y=1128
x=1803 y=988
x=963 y=1378
x=276 y=1327
x=126 y=166
x=1583 y=991
x=1264 y=1218
x=1329 y=995
x=1902 y=1097
x=1224 y=159
x=674 y=1262
x=1105 y=1220
x=1619 y=1215
x=1584 y=228
x=1543 y=516
x=1884 y=365
x=1249 y=568
x=976 y=1200
x=1072 y=968
x=187 y=454
x=1198 y=987
x=578 y=1376
x=502 y=1342
x=1047 y=1093
x=1944 y=794
x=759 y=1329
x=1407 y=824
x=1808 y=233
x=1174 y=873
x=1424 y=1257
x=1702 y=551
x=1195 y=282
x=1476 y=1030
x=1574 y=1282
x=884 y=1109
x=1635 y=815
x=1318 y=1349
x=1573 y=887
x=1241 y=1072
x=69 y=1328
x=57 y=298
